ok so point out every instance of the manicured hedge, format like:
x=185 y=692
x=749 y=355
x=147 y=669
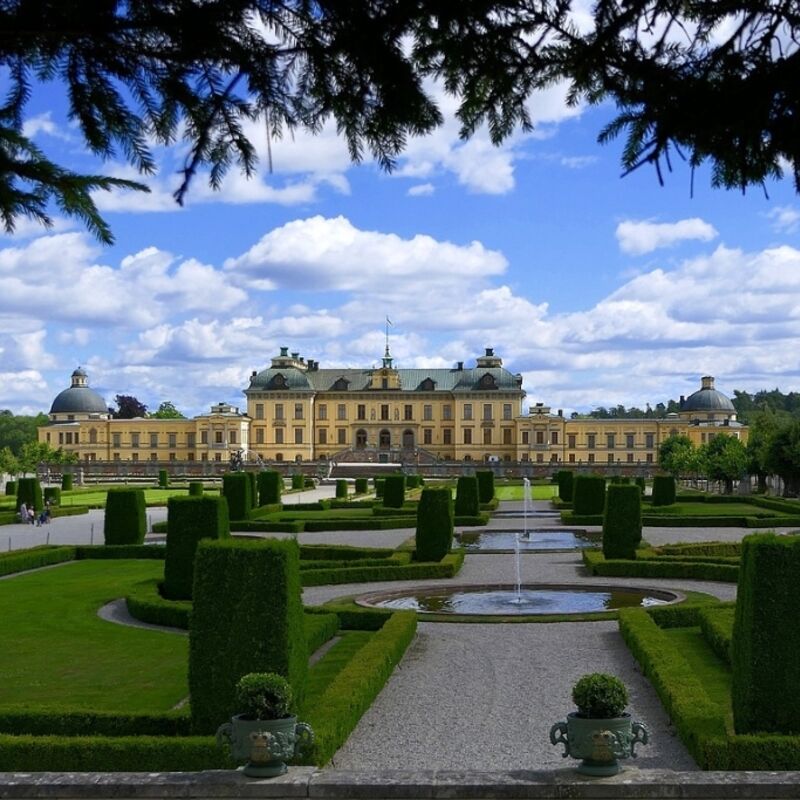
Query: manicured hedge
x=29 y=491
x=349 y=524
x=382 y=511
x=298 y=482
x=655 y=568
x=66 y=481
x=766 y=639
x=566 y=484
x=467 y=502
x=236 y=489
x=58 y=721
x=11 y=488
x=126 y=517
x=341 y=552
x=485 y=485
x=195 y=489
x=362 y=485
x=588 y=495
x=414 y=481
x=448 y=567
x=663 y=490
x=641 y=483
x=35 y=557
x=253 y=478
x=434 y=534
x=380 y=486
x=114 y=551
x=341 y=488
x=270 y=486
x=716 y=623
x=394 y=491
x=622 y=522
x=319 y=629
x=163 y=479
x=190 y=519
x=732 y=549
x=247 y=617
x=264 y=526
x=53 y=494
x=146 y=603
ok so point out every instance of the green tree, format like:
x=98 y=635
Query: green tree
x=783 y=456
x=9 y=463
x=763 y=427
x=128 y=407
x=677 y=455
x=139 y=75
x=167 y=411
x=35 y=453
x=725 y=459
x=16 y=430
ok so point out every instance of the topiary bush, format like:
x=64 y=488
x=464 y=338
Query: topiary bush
x=341 y=488
x=253 y=478
x=236 y=490
x=663 y=490
x=126 y=517
x=163 y=479
x=264 y=695
x=11 y=488
x=467 y=503
x=380 y=486
x=298 y=482
x=247 y=617
x=29 y=491
x=622 y=521
x=588 y=494
x=394 y=491
x=434 y=536
x=641 y=483
x=565 y=479
x=270 y=485
x=362 y=485
x=485 y=485
x=765 y=647
x=66 y=482
x=600 y=696
x=52 y=494
x=195 y=489
x=190 y=519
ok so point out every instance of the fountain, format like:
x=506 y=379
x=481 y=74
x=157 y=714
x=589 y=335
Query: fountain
x=526 y=501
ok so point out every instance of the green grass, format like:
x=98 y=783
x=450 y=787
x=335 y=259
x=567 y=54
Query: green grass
x=708 y=510
x=58 y=652
x=97 y=497
x=332 y=513
x=516 y=492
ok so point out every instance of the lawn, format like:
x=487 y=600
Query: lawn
x=97 y=497
x=58 y=652
x=709 y=510
x=538 y=492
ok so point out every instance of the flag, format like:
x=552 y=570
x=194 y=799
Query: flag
x=389 y=322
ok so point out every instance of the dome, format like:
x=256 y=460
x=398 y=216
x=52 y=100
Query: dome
x=79 y=398
x=708 y=399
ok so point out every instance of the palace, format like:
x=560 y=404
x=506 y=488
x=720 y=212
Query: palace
x=298 y=411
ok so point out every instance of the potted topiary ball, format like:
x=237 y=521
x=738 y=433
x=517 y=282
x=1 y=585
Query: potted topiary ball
x=265 y=734
x=599 y=732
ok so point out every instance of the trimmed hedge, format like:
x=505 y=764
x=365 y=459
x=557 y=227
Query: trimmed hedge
x=236 y=489
x=163 y=479
x=467 y=502
x=341 y=552
x=485 y=485
x=716 y=623
x=766 y=640
x=394 y=491
x=57 y=721
x=298 y=482
x=145 y=603
x=641 y=483
x=341 y=488
x=656 y=568
x=350 y=524
x=253 y=478
x=195 y=489
x=380 y=485
x=566 y=484
x=664 y=490
x=434 y=534
x=66 y=482
x=722 y=549
x=53 y=494
x=29 y=491
x=362 y=485
x=588 y=495
x=319 y=629
x=399 y=570
x=126 y=517
x=270 y=486
x=36 y=557
x=11 y=488
x=247 y=617
x=622 y=522
x=114 y=551
x=190 y=519
x=263 y=526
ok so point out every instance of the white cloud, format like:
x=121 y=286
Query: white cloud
x=644 y=236
x=785 y=219
x=421 y=190
x=42 y=123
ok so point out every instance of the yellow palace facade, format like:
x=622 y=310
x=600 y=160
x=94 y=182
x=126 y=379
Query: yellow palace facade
x=298 y=411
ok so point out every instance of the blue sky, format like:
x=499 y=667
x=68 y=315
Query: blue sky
x=599 y=289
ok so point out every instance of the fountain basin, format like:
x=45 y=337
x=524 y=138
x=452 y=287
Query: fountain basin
x=537 y=540
x=529 y=600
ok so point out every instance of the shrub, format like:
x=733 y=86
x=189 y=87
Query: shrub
x=163 y=478
x=394 y=491
x=126 y=521
x=66 y=482
x=11 y=488
x=253 y=478
x=53 y=495
x=600 y=696
x=588 y=495
x=29 y=491
x=341 y=488
x=195 y=489
x=247 y=617
x=263 y=695
x=190 y=519
x=485 y=485
x=467 y=503
x=35 y=557
x=642 y=484
x=566 y=479
x=362 y=485
x=663 y=490
x=434 y=536
x=298 y=482
x=766 y=640
x=270 y=484
x=622 y=521
x=380 y=486
x=236 y=490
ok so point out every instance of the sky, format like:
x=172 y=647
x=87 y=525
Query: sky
x=600 y=289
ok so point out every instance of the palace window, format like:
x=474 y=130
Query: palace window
x=629 y=437
x=190 y=439
x=278 y=410
x=526 y=437
x=154 y=456
x=134 y=440
x=571 y=437
x=447 y=436
x=408 y=411
x=610 y=442
x=231 y=438
x=506 y=410
x=218 y=437
x=259 y=411
x=323 y=436
x=203 y=438
x=278 y=435
x=467 y=435
x=298 y=436
x=506 y=435
x=487 y=435
x=427 y=435
x=298 y=411
x=467 y=410
x=553 y=437
x=322 y=411
x=591 y=441
x=361 y=411
x=384 y=411
x=341 y=411
x=427 y=412
x=259 y=436
x=173 y=439
x=116 y=440
x=447 y=412
x=539 y=437
x=649 y=441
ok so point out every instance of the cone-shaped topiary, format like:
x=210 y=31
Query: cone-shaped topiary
x=270 y=485
x=394 y=491
x=126 y=517
x=622 y=521
x=163 y=479
x=434 y=536
x=195 y=489
x=467 y=503
x=485 y=485
x=362 y=485
x=565 y=478
x=236 y=489
x=663 y=490
x=66 y=482
x=588 y=495
x=341 y=488
x=29 y=491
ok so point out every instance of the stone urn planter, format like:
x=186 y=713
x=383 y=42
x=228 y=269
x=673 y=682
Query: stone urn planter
x=265 y=736
x=599 y=733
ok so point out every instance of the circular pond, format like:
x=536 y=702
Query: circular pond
x=508 y=600
x=533 y=541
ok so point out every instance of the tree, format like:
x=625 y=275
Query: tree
x=167 y=411
x=35 y=453
x=677 y=455
x=9 y=463
x=764 y=426
x=783 y=456
x=16 y=430
x=128 y=407
x=143 y=74
x=724 y=458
